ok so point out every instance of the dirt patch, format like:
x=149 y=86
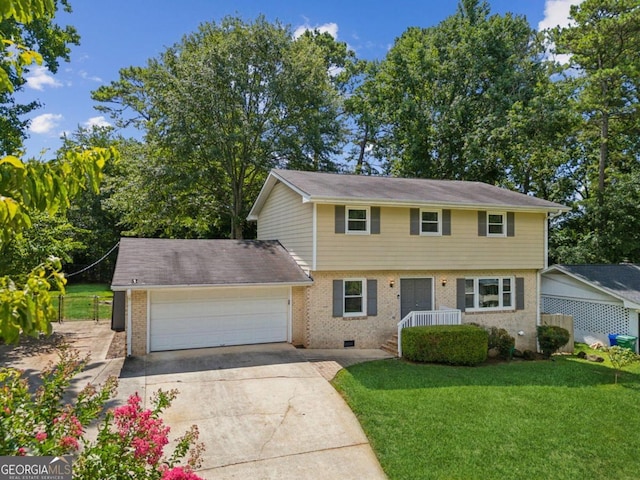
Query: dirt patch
x=118 y=347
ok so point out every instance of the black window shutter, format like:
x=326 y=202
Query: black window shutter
x=460 y=293
x=519 y=293
x=338 y=298
x=482 y=224
x=446 y=222
x=372 y=298
x=414 y=221
x=511 y=224
x=375 y=220
x=339 y=218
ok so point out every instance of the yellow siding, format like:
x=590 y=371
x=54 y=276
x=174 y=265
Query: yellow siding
x=395 y=249
x=285 y=218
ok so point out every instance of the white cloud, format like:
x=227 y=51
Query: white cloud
x=99 y=121
x=86 y=76
x=330 y=28
x=40 y=77
x=556 y=13
x=46 y=123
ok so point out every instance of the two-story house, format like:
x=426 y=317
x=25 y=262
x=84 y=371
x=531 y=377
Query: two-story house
x=339 y=261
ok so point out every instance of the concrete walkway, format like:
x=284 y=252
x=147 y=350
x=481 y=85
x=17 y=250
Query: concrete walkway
x=263 y=411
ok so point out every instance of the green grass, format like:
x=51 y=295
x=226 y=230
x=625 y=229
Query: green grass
x=79 y=301
x=561 y=419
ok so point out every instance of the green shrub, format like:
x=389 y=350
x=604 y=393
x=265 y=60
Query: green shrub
x=500 y=339
x=552 y=338
x=452 y=344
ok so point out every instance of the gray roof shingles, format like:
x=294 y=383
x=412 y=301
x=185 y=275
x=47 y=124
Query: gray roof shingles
x=409 y=190
x=166 y=262
x=622 y=280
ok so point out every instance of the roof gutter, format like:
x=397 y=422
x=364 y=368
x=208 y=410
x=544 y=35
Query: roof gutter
x=142 y=286
x=412 y=203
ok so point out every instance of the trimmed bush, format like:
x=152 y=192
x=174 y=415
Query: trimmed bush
x=500 y=339
x=552 y=338
x=452 y=344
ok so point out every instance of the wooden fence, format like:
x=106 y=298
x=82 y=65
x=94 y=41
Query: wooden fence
x=560 y=320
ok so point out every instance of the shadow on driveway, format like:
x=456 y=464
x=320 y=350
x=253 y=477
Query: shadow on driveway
x=209 y=359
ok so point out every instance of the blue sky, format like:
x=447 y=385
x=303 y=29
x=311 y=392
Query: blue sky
x=121 y=33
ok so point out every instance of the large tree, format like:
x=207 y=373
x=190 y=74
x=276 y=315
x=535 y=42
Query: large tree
x=445 y=94
x=226 y=104
x=602 y=43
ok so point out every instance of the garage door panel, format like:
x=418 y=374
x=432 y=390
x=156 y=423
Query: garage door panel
x=226 y=307
x=197 y=318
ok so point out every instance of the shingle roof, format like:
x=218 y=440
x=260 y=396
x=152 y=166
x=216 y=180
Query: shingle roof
x=621 y=280
x=328 y=187
x=144 y=262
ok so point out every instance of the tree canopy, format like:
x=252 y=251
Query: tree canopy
x=226 y=104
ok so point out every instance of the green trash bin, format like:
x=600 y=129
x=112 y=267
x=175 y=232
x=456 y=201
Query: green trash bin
x=627 y=341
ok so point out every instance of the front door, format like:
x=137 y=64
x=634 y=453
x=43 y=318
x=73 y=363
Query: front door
x=415 y=295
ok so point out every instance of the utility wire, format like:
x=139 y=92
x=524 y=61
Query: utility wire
x=67 y=275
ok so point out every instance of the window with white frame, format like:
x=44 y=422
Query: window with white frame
x=357 y=219
x=354 y=302
x=430 y=222
x=489 y=293
x=496 y=224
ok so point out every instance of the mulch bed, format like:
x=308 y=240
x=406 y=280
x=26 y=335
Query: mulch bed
x=117 y=349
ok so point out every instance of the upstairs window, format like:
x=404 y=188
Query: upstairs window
x=430 y=222
x=496 y=224
x=357 y=220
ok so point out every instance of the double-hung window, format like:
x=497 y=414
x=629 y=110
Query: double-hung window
x=430 y=222
x=496 y=224
x=354 y=302
x=357 y=219
x=489 y=293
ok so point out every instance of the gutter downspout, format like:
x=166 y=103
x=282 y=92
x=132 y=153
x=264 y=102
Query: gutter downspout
x=129 y=321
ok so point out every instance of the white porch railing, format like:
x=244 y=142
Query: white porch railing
x=428 y=318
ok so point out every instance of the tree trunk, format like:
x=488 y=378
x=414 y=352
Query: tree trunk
x=363 y=147
x=604 y=152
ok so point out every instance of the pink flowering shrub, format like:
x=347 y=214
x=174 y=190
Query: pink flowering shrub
x=40 y=422
x=131 y=443
x=130 y=439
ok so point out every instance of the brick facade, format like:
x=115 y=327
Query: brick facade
x=139 y=322
x=314 y=326
x=326 y=331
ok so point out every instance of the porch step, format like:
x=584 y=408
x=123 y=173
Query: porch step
x=391 y=345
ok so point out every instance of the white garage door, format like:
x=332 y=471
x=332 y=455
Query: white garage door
x=213 y=317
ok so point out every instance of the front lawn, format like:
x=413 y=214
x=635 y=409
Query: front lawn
x=561 y=419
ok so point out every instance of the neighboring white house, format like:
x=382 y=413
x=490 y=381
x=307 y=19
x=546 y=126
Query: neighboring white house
x=603 y=299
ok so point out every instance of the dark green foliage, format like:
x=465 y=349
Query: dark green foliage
x=499 y=338
x=529 y=355
x=551 y=338
x=452 y=344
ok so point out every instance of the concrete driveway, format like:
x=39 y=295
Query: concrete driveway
x=264 y=411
